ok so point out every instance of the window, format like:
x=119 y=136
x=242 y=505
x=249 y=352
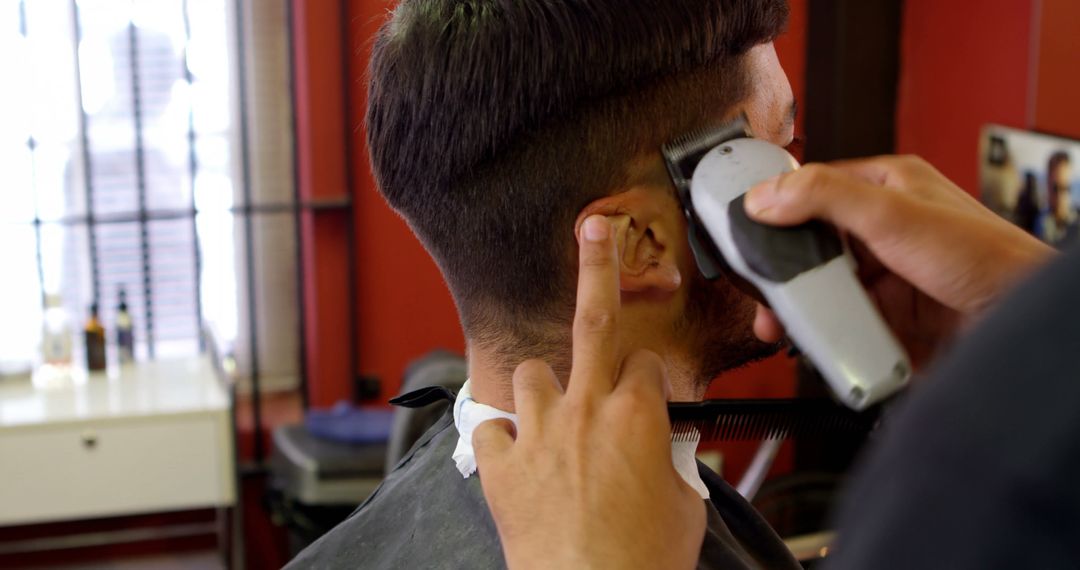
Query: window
x=125 y=168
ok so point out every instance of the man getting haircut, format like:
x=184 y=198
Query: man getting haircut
x=495 y=128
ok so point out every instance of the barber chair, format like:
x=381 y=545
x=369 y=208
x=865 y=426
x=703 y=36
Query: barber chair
x=316 y=483
x=437 y=368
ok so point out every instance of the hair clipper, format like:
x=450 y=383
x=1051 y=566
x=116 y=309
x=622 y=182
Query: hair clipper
x=805 y=273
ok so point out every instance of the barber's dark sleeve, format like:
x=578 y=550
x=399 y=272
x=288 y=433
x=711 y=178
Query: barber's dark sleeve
x=980 y=467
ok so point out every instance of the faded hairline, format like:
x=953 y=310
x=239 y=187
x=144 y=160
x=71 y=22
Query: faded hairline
x=681 y=103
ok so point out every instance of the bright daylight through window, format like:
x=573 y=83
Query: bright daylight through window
x=119 y=167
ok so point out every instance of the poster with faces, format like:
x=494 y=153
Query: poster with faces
x=1031 y=180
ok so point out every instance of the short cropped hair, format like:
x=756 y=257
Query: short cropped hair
x=492 y=123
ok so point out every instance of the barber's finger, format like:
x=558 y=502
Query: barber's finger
x=909 y=174
x=595 y=327
x=879 y=171
x=819 y=191
x=644 y=372
x=639 y=402
x=492 y=439
x=766 y=326
x=536 y=389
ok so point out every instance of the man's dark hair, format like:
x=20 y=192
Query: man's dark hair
x=492 y=123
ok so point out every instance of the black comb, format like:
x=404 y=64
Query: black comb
x=746 y=420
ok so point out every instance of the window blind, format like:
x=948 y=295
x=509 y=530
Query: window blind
x=121 y=133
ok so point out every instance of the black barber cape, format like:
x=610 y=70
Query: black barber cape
x=980 y=467
x=425 y=515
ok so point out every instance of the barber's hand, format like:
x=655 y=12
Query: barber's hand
x=929 y=254
x=587 y=480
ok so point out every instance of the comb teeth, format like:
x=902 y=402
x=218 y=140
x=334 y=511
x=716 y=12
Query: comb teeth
x=742 y=420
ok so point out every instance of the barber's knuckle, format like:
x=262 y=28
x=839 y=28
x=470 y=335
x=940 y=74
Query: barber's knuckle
x=534 y=378
x=879 y=214
x=577 y=415
x=912 y=159
x=815 y=177
x=481 y=436
x=644 y=373
x=644 y=361
x=596 y=320
x=637 y=402
x=530 y=369
x=811 y=170
x=909 y=164
x=596 y=255
x=651 y=359
x=625 y=404
x=787 y=184
x=483 y=439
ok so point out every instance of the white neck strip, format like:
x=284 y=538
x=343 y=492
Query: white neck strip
x=468 y=413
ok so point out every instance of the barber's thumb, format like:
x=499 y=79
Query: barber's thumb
x=492 y=439
x=791 y=198
x=767 y=327
x=762 y=199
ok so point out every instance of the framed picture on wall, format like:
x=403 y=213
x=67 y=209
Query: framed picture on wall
x=1031 y=180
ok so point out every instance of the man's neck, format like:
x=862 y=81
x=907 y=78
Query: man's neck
x=492 y=383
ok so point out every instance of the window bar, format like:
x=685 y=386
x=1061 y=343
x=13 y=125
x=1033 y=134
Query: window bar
x=31 y=145
x=193 y=168
x=38 y=257
x=297 y=212
x=350 y=188
x=88 y=179
x=249 y=232
x=140 y=184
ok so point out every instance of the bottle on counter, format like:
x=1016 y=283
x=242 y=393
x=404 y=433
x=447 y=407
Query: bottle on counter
x=56 y=333
x=125 y=339
x=94 y=333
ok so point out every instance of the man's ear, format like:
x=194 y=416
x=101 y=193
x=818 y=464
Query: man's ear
x=645 y=235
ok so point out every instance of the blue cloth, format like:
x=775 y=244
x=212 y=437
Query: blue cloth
x=346 y=423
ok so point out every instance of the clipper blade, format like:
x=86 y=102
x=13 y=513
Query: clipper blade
x=683 y=154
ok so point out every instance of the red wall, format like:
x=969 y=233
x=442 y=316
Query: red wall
x=405 y=309
x=1056 y=104
x=963 y=64
x=321 y=176
x=1013 y=64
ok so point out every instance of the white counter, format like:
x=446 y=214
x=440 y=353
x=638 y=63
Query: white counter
x=153 y=437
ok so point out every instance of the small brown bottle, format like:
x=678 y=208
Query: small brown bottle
x=95 y=341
